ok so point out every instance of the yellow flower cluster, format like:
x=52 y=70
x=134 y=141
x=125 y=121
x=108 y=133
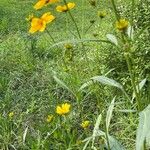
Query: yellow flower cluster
x=39 y=24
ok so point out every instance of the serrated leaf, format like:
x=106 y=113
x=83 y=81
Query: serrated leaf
x=112 y=39
x=143 y=131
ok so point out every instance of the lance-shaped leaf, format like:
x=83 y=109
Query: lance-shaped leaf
x=109 y=113
x=143 y=131
x=112 y=39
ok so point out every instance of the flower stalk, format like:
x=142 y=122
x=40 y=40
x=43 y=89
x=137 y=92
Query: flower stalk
x=71 y=16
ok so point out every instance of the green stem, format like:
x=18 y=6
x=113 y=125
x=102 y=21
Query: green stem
x=107 y=138
x=89 y=28
x=133 y=82
x=50 y=36
x=115 y=10
x=71 y=16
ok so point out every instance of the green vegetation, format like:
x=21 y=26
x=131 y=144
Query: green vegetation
x=96 y=66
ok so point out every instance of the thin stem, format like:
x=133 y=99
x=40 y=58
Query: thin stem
x=89 y=27
x=107 y=138
x=50 y=36
x=133 y=82
x=115 y=10
x=71 y=16
x=132 y=16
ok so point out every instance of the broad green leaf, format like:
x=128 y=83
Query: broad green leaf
x=143 y=131
x=112 y=39
x=109 y=113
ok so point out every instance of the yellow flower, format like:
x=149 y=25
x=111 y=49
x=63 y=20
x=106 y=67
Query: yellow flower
x=101 y=14
x=65 y=8
x=42 y=3
x=122 y=24
x=39 y=24
x=63 y=109
x=11 y=114
x=49 y=118
x=85 y=124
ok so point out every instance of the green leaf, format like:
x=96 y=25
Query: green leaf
x=127 y=111
x=111 y=82
x=115 y=144
x=143 y=131
x=106 y=81
x=130 y=32
x=96 y=128
x=112 y=39
x=139 y=87
x=109 y=113
x=91 y=82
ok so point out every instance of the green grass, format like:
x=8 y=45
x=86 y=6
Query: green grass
x=28 y=87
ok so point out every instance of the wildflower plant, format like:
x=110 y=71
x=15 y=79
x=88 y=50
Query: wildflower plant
x=91 y=56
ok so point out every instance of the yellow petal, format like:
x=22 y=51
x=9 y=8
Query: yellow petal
x=71 y=5
x=43 y=26
x=59 y=8
x=39 y=4
x=47 y=17
x=59 y=110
